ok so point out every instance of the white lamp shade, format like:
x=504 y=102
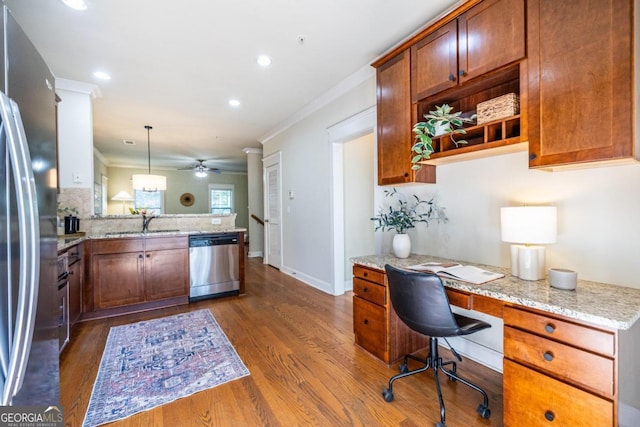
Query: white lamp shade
x=529 y=224
x=123 y=195
x=149 y=182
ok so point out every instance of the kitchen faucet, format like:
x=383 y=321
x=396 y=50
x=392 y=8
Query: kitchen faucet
x=145 y=222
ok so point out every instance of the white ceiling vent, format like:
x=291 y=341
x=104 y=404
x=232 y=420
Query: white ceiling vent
x=129 y=142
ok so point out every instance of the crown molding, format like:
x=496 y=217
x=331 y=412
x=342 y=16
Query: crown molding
x=80 y=87
x=354 y=80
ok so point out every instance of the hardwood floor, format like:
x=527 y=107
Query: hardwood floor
x=297 y=342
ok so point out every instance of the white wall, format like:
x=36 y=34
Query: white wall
x=358 y=199
x=307 y=240
x=598 y=226
x=255 y=201
x=75 y=138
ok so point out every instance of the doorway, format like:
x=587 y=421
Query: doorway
x=272 y=210
x=361 y=124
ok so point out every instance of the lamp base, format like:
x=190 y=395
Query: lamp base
x=527 y=262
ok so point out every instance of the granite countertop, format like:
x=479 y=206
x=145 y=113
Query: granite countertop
x=67 y=242
x=601 y=304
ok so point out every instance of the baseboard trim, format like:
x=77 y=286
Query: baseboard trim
x=254 y=254
x=309 y=280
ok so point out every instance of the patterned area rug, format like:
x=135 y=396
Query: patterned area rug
x=150 y=363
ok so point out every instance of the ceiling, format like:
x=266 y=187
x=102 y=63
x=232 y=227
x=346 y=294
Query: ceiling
x=175 y=66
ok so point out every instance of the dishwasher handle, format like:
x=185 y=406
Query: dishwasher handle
x=213 y=240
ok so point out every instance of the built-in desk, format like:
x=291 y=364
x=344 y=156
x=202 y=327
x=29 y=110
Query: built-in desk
x=570 y=357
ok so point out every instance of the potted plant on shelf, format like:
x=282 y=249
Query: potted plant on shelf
x=401 y=215
x=439 y=122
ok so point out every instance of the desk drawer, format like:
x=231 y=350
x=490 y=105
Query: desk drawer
x=459 y=299
x=560 y=360
x=369 y=274
x=596 y=340
x=370 y=291
x=532 y=399
x=369 y=327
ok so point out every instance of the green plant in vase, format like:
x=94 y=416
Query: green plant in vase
x=401 y=215
x=439 y=122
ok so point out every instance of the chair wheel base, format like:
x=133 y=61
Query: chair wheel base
x=403 y=368
x=387 y=395
x=484 y=411
x=440 y=425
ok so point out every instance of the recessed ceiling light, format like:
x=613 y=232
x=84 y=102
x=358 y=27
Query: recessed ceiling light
x=264 y=61
x=234 y=102
x=76 y=4
x=101 y=75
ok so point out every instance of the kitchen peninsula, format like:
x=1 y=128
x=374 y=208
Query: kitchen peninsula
x=566 y=353
x=126 y=270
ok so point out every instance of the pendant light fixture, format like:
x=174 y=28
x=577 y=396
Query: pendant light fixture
x=149 y=182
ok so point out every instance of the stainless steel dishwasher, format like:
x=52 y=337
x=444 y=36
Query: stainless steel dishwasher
x=214 y=269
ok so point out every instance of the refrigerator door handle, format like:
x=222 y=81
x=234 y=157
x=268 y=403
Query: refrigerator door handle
x=29 y=235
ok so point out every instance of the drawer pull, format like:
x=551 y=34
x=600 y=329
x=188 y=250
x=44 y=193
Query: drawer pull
x=366 y=321
x=365 y=274
x=365 y=290
x=550 y=328
x=548 y=356
x=549 y=416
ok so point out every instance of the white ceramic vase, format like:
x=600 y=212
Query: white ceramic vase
x=401 y=245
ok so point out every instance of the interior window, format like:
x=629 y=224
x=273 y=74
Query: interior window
x=152 y=201
x=221 y=199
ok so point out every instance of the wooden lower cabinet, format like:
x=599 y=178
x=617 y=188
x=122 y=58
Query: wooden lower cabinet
x=138 y=270
x=166 y=268
x=557 y=371
x=376 y=325
x=534 y=399
x=76 y=278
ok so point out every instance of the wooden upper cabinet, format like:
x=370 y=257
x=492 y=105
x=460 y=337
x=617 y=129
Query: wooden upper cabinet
x=434 y=62
x=486 y=37
x=580 y=81
x=490 y=35
x=395 y=136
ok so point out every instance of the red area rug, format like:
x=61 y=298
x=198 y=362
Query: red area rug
x=150 y=363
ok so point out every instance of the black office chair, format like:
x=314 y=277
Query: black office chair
x=421 y=302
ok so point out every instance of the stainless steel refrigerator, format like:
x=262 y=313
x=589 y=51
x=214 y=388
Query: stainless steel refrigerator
x=29 y=373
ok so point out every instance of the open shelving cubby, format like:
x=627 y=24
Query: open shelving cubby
x=505 y=134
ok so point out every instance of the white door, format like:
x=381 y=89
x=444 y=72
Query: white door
x=272 y=223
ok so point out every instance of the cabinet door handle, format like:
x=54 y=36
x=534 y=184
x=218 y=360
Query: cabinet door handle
x=550 y=328
x=148 y=255
x=549 y=416
x=366 y=321
x=365 y=274
x=461 y=73
x=532 y=156
x=365 y=289
x=452 y=77
x=140 y=256
x=548 y=356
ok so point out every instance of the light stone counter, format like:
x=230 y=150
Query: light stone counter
x=601 y=304
x=65 y=243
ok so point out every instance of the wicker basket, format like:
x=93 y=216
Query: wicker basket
x=498 y=108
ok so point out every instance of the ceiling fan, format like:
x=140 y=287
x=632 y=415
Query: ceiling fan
x=200 y=169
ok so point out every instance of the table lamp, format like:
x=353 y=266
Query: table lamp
x=124 y=196
x=528 y=227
